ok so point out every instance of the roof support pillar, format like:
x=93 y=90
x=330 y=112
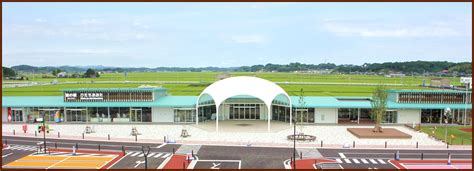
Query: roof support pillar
x=269 y=116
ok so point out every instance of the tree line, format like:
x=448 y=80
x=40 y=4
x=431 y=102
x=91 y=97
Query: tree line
x=409 y=67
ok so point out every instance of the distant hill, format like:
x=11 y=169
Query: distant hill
x=409 y=67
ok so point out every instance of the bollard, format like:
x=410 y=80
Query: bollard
x=173 y=150
x=55 y=145
x=301 y=155
x=82 y=135
x=321 y=143
x=135 y=138
x=291 y=161
x=13 y=132
x=58 y=135
x=417 y=144
x=447 y=145
x=6 y=142
x=192 y=153
x=449 y=158
x=77 y=146
x=123 y=150
x=421 y=156
x=36 y=133
x=99 y=146
x=385 y=144
x=108 y=137
x=353 y=144
x=164 y=139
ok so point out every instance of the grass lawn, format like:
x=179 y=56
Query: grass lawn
x=452 y=130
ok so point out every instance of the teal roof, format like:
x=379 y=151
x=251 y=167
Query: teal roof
x=117 y=89
x=58 y=101
x=190 y=101
x=427 y=91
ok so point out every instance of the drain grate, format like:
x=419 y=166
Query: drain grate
x=243 y=124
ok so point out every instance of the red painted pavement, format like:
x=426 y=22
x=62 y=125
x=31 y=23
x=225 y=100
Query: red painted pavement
x=177 y=162
x=431 y=164
x=308 y=163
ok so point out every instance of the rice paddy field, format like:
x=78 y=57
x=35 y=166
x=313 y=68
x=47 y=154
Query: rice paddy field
x=206 y=78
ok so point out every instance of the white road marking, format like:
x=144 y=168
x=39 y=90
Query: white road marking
x=166 y=155
x=158 y=155
x=6 y=155
x=214 y=165
x=364 y=161
x=356 y=161
x=373 y=161
x=161 y=145
x=342 y=155
x=339 y=160
x=138 y=163
x=151 y=155
x=381 y=161
x=141 y=155
x=134 y=154
x=347 y=161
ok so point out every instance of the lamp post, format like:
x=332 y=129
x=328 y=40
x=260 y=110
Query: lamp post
x=146 y=151
x=44 y=131
x=294 y=144
x=447 y=112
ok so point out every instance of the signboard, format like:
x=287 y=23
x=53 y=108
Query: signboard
x=91 y=96
x=9 y=114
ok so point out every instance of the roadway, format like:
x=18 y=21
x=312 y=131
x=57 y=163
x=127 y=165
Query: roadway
x=231 y=157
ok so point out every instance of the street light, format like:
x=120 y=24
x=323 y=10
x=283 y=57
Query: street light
x=146 y=151
x=44 y=131
x=294 y=144
x=447 y=112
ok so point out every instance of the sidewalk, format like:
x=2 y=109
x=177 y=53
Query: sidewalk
x=233 y=143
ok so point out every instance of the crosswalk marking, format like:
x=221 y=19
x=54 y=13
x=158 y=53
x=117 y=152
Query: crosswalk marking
x=158 y=155
x=360 y=161
x=141 y=155
x=151 y=154
x=356 y=161
x=22 y=147
x=364 y=161
x=166 y=155
x=373 y=161
x=134 y=154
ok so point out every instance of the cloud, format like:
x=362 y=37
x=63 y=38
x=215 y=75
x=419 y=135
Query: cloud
x=256 y=39
x=40 y=20
x=90 y=21
x=381 y=29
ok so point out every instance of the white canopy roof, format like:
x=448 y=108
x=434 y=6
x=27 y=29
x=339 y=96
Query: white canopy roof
x=244 y=85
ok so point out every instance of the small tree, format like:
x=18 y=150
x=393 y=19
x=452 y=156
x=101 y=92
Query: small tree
x=90 y=73
x=379 y=106
x=302 y=105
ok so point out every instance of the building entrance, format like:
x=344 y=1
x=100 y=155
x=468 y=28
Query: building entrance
x=244 y=111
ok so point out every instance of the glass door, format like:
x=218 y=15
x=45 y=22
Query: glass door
x=136 y=115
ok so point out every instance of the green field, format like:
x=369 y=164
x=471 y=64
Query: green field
x=276 y=77
x=461 y=137
x=195 y=89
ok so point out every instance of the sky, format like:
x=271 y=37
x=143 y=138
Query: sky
x=233 y=34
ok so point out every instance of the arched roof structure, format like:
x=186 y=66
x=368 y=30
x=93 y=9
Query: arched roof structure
x=244 y=85
x=262 y=89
